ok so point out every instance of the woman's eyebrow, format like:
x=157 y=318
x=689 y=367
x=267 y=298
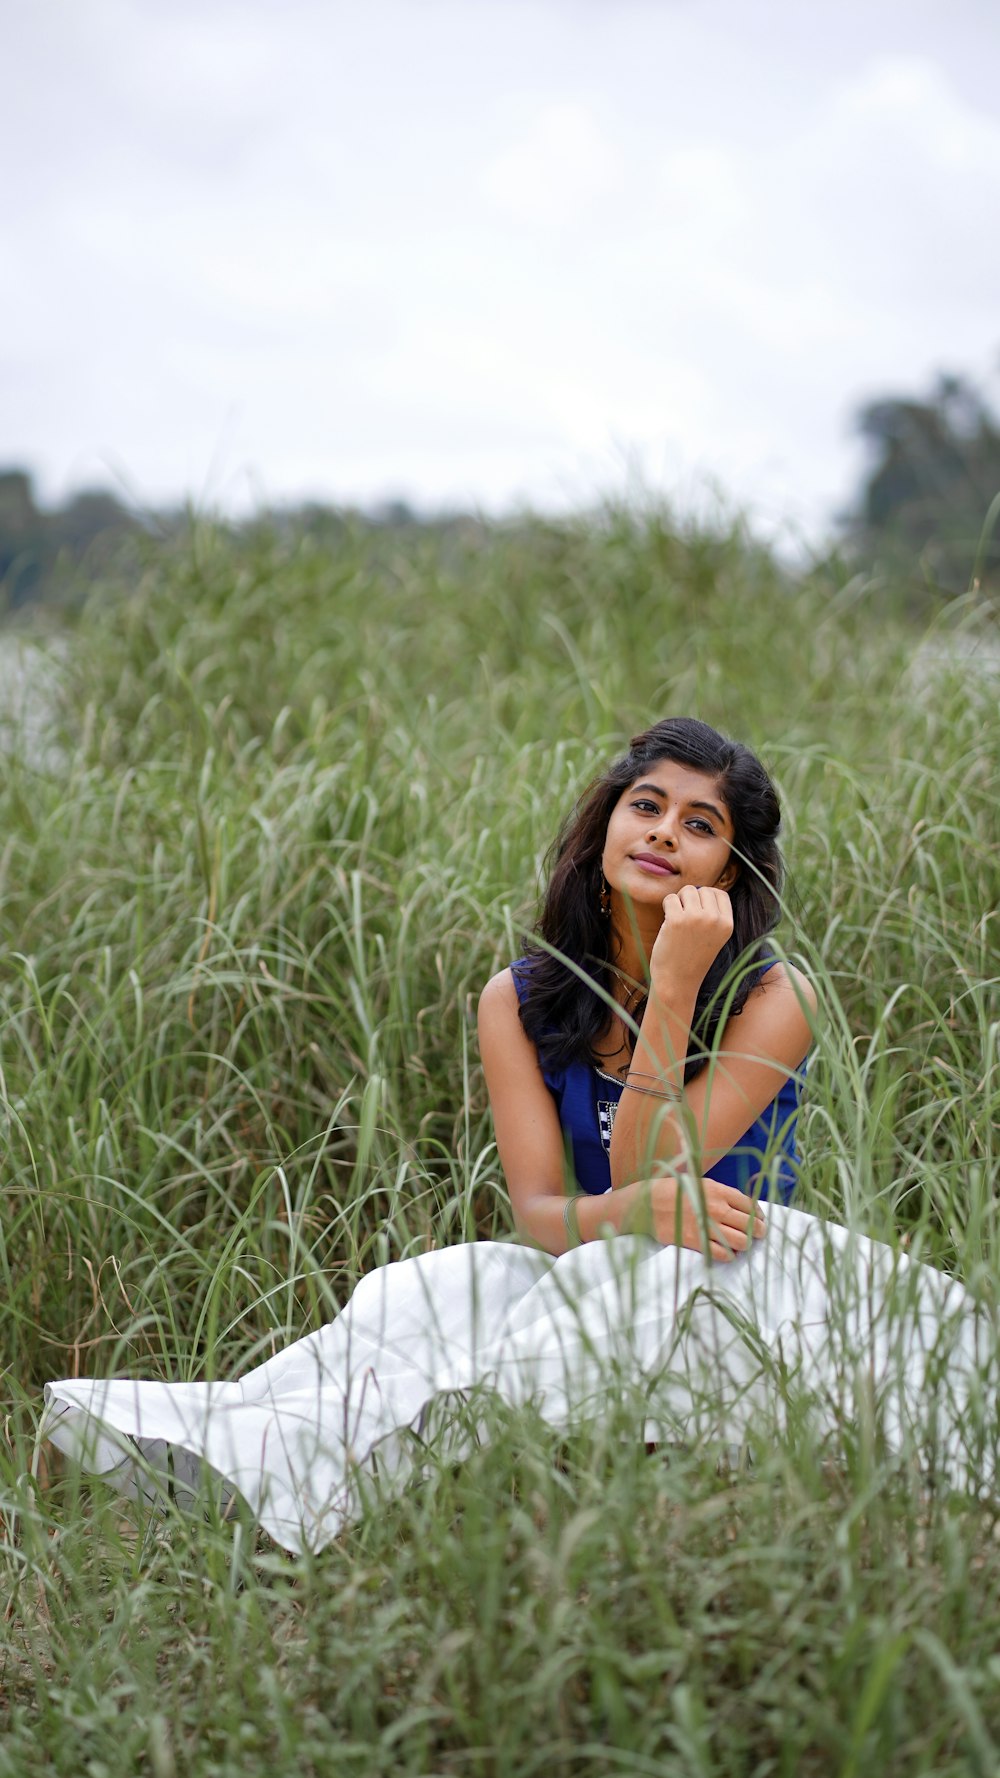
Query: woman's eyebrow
x=657 y=791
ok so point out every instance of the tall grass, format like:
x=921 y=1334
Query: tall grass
x=295 y=816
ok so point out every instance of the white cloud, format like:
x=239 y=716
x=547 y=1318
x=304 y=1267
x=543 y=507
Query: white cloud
x=860 y=241
x=485 y=251
x=556 y=170
x=913 y=100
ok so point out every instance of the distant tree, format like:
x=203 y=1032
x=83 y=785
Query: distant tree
x=19 y=516
x=24 y=551
x=935 y=472
x=40 y=550
x=86 y=517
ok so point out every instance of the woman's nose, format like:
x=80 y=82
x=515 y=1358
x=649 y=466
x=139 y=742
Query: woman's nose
x=662 y=829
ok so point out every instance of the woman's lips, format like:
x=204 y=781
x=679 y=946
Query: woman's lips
x=657 y=867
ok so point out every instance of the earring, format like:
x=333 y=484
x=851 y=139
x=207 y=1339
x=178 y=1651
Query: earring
x=604 y=898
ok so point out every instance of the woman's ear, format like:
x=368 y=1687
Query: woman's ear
x=729 y=875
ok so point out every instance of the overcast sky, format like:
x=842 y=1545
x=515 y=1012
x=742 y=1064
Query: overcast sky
x=488 y=252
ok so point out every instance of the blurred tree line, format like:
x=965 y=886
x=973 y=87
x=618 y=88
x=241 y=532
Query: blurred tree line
x=37 y=547
x=922 y=510
x=54 y=554
x=933 y=477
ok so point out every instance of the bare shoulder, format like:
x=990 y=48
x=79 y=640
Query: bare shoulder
x=525 y=1120
x=500 y=1011
x=499 y=990
x=508 y=1055
x=784 y=979
x=778 y=1020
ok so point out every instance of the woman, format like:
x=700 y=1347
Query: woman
x=641 y=1064
x=668 y=876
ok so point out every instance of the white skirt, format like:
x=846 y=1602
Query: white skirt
x=816 y=1316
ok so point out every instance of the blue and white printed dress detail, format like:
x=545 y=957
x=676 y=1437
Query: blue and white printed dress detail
x=764 y=1160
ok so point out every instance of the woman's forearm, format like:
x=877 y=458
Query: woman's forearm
x=558 y=1223
x=649 y=1126
x=716 y=1220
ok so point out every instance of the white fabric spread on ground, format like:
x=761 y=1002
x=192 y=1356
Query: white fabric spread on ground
x=815 y=1315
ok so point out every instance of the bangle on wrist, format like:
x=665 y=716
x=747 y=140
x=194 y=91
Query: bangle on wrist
x=675 y=1094
x=573 y=1228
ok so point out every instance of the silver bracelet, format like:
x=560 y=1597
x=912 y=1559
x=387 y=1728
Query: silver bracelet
x=574 y=1234
x=675 y=1094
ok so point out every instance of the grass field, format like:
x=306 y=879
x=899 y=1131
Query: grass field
x=292 y=816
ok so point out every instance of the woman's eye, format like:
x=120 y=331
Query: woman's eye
x=703 y=826
x=644 y=807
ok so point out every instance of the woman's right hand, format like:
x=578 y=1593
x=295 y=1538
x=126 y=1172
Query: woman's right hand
x=696 y=925
x=667 y=1210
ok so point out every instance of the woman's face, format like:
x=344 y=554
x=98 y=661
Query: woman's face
x=669 y=828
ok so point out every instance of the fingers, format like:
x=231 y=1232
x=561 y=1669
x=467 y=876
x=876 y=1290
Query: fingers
x=731 y=1193
x=733 y=1209
x=735 y=1222
x=736 y=1239
x=694 y=899
x=720 y=1252
x=725 y=1244
x=721 y=1220
x=724 y=1241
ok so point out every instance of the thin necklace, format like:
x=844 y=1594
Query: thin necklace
x=633 y=994
x=633 y=991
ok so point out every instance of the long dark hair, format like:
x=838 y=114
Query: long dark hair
x=560 y=1011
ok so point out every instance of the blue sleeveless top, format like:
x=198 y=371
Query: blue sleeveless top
x=587 y=1099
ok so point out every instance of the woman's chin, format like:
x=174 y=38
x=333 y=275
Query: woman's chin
x=648 y=888
x=642 y=909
